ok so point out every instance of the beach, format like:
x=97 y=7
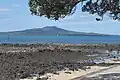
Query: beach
x=69 y=75
x=88 y=74
x=52 y=61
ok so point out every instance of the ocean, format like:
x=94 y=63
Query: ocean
x=60 y=39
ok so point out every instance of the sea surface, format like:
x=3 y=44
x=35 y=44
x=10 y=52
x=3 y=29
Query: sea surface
x=60 y=39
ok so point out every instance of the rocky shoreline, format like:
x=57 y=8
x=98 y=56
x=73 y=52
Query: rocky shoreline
x=18 y=61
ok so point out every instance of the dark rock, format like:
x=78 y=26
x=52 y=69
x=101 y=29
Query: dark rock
x=68 y=72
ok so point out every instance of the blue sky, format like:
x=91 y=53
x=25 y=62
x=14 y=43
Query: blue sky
x=15 y=15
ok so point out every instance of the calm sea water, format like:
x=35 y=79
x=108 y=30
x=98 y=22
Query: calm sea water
x=61 y=39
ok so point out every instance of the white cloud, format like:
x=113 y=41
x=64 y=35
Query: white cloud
x=4 y=9
x=15 y=5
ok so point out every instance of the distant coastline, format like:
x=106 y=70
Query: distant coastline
x=50 y=31
x=52 y=34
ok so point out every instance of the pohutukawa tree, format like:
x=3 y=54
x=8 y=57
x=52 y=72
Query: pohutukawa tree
x=56 y=9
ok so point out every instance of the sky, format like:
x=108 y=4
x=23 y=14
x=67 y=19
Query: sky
x=15 y=15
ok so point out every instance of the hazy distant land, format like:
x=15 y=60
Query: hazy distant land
x=50 y=31
x=22 y=61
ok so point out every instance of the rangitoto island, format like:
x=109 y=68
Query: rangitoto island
x=50 y=31
x=59 y=61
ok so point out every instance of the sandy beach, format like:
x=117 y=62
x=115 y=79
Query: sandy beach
x=69 y=75
x=81 y=74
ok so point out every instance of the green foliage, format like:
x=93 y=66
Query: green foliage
x=56 y=9
x=100 y=7
x=52 y=9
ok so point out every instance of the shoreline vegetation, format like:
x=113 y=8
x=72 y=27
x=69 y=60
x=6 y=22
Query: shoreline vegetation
x=21 y=61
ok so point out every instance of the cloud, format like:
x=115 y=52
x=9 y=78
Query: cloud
x=4 y=9
x=15 y=5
